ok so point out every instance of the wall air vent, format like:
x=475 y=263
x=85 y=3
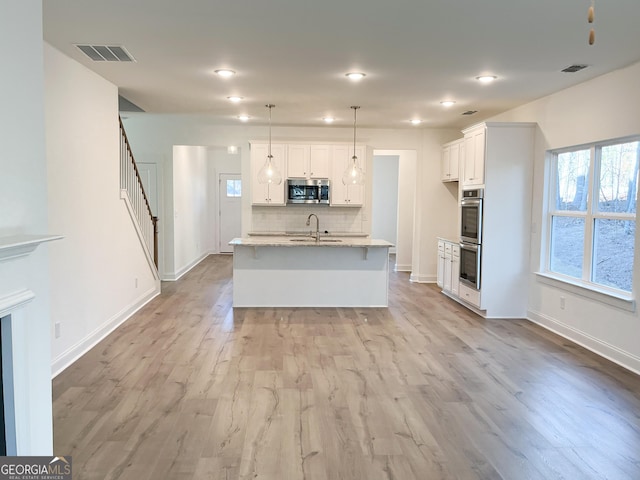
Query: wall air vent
x=470 y=112
x=106 y=53
x=574 y=68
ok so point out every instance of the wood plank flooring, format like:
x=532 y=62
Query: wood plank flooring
x=190 y=388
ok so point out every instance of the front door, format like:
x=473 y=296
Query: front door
x=229 y=201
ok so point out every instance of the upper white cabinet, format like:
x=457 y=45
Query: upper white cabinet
x=474 y=156
x=452 y=152
x=308 y=161
x=341 y=194
x=268 y=194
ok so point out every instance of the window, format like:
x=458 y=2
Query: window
x=592 y=214
x=234 y=188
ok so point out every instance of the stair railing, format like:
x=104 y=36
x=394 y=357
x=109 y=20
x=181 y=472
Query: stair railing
x=131 y=183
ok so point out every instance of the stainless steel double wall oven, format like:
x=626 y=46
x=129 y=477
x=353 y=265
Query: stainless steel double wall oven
x=471 y=237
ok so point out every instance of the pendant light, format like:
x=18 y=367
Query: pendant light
x=353 y=174
x=269 y=173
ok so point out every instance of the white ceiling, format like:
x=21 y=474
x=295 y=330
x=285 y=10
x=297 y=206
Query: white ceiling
x=295 y=53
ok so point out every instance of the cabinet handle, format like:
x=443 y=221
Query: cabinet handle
x=311 y=173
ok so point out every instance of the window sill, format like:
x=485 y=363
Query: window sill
x=615 y=299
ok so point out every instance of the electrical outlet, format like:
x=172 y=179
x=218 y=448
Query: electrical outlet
x=57 y=329
x=136 y=282
x=562 y=303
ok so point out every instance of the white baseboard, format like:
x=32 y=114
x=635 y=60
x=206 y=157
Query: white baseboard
x=174 y=276
x=402 y=268
x=62 y=361
x=423 y=278
x=610 y=352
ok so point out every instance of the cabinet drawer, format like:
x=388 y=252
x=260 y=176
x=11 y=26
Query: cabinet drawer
x=469 y=295
x=440 y=246
x=447 y=248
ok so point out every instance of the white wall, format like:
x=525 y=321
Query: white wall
x=436 y=206
x=153 y=136
x=384 y=208
x=190 y=208
x=603 y=108
x=23 y=207
x=99 y=273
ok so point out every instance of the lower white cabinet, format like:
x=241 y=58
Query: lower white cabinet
x=440 y=276
x=470 y=295
x=448 y=273
x=455 y=269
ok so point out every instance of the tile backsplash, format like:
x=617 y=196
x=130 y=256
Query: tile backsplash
x=294 y=218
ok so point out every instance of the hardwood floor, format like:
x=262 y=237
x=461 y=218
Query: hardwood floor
x=190 y=388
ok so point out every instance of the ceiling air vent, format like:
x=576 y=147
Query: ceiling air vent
x=106 y=53
x=574 y=68
x=470 y=112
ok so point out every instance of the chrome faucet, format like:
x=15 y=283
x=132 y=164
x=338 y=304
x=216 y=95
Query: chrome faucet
x=317 y=225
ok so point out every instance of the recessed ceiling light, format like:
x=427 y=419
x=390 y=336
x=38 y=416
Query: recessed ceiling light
x=447 y=103
x=416 y=121
x=225 y=72
x=328 y=119
x=486 y=78
x=244 y=118
x=234 y=99
x=355 y=75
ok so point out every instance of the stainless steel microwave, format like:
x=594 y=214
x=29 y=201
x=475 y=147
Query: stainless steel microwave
x=303 y=190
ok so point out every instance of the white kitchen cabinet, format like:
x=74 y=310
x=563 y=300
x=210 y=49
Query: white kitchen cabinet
x=341 y=194
x=501 y=161
x=448 y=270
x=446 y=284
x=474 y=156
x=319 y=161
x=455 y=270
x=308 y=161
x=440 y=268
x=298 y=160
x=268 y=194
x=451 y=155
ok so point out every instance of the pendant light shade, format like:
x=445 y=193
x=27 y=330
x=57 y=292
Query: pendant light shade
x=353 y=174
x=269 y=173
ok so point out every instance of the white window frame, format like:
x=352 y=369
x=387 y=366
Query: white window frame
x=583 y=286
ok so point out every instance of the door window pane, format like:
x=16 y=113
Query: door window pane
x=613 y=253
x=572 y=186
x=567 y=245
x=234 y=188
x=619 y=178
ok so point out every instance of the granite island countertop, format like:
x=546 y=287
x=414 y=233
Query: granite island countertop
x=307 y=241
x=302 y=233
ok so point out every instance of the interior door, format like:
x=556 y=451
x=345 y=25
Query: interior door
x=229 y=201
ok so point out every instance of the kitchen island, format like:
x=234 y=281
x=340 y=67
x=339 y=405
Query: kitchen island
x=305 y=272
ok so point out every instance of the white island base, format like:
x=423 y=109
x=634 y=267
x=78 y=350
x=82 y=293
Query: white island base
x=290 y=274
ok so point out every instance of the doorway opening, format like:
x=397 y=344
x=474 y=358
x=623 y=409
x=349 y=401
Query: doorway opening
x=229 y=209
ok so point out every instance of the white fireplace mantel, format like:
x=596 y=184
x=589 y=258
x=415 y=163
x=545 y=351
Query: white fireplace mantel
x=21 y=245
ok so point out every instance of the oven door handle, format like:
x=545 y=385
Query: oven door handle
x=469 y=246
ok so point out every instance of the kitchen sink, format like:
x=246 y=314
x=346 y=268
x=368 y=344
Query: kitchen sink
x=313 y=240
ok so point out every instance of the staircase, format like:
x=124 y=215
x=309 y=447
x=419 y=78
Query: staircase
x=132 y=192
